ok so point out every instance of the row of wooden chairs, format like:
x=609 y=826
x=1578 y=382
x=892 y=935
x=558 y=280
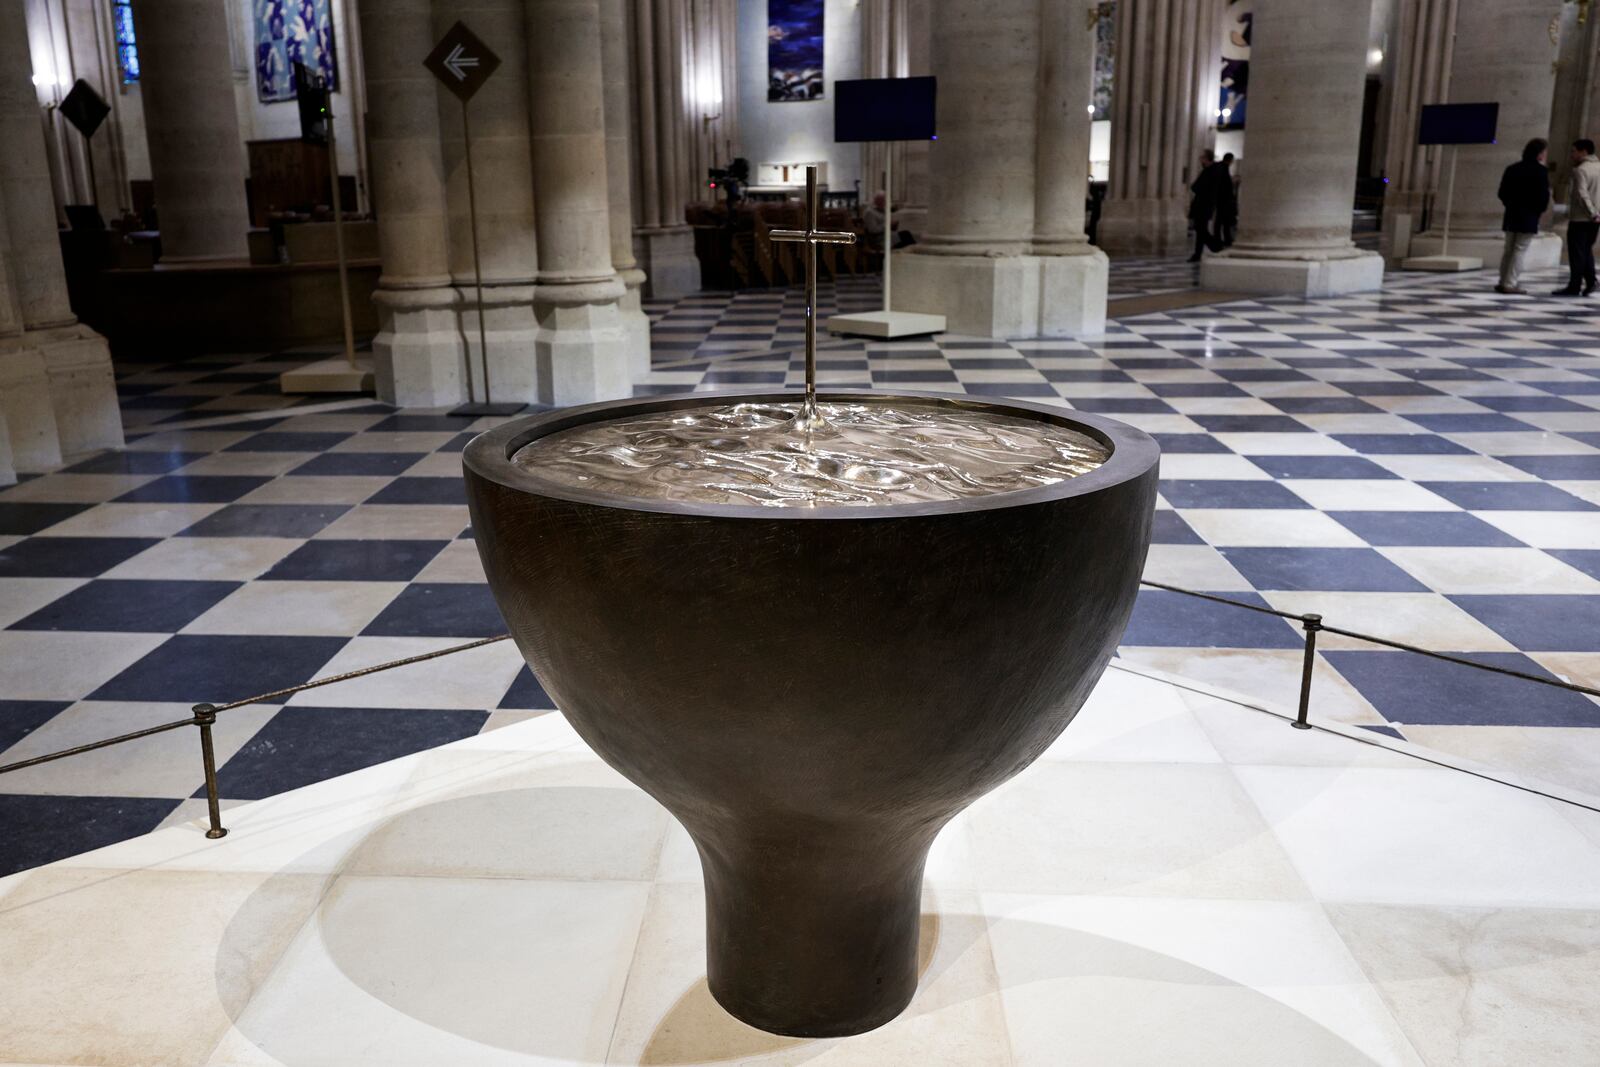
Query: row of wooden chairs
x=739 y=253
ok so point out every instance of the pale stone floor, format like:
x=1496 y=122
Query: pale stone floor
x=1181 y=879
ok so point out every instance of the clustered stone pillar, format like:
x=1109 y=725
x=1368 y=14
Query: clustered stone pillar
x=1503 y=52
x=582 y=343
x=503 y=169
x=1163 y=115
x=1424 y=30
x=418 y=352
x=57 y=392
x=192 y=127
x=619 y=179
x=1075 y=273
x=1307 y=80
x=664 y=243
x=989 y=261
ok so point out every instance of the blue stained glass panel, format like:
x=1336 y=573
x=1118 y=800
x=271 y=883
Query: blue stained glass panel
x=290 y=32
x=127 y=46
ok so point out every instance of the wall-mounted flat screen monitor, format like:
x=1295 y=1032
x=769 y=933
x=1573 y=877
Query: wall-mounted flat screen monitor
x=884 y=109
x=1459 y=124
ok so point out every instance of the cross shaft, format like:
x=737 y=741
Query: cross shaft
x=811 y=237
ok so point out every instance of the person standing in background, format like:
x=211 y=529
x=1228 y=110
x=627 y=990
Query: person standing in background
x=1203 y=206
x=1227 y=201
x=1525 y=191
x=1583 y=219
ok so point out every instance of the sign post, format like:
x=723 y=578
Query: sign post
x=1453 y=125
x=352 y=375
x=463 y=63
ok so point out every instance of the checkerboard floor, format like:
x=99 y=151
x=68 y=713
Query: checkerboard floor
x=1422 y=463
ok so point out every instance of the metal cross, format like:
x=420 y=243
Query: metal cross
x=811 y=237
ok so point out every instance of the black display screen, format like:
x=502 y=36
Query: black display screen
x=1459 y=124
x=884 y=109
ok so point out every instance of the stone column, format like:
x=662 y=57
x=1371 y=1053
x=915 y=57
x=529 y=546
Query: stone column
x=663 y=242
x=418 y=354
x=1163 y=115
x=1504 y=51
x=582 y=344
x=80 y=412
x=979 y=261
x=196 y=156
x=1308 y=70
x=502 y=164
x=619 y=179
x=1075 y=273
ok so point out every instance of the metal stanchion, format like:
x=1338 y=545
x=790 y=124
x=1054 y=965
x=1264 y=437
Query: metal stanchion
x=205 y=716
x=1312 y=624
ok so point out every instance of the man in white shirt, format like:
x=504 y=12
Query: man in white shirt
x=1583 y=219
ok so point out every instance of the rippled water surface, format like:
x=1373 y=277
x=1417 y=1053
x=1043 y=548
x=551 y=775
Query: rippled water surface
x=864 y=454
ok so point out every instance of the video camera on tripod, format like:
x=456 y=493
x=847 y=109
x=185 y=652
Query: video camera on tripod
x=731 y=179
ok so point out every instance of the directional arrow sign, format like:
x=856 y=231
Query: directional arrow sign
x=462 y=62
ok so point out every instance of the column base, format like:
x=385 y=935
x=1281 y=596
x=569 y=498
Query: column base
x=666 y=256
x=83 y=388
x=583 y=353
x=1006 y=296
x=635 y=321
x=8 y=469
x=1238 y=273
x=1543 y=253
x=418 y=353
x=1149 y=227
x=510 y=329
x=32 y=436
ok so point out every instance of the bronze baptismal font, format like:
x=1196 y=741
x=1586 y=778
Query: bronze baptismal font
x=815 y=628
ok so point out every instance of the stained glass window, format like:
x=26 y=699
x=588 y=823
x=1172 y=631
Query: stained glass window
x=127 y=47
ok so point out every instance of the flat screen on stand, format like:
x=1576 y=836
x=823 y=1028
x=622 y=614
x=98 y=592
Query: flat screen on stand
x=1458 y=124
x=884 y=109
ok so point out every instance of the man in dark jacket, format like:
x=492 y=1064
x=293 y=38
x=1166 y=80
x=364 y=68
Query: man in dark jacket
x=1203 y=206
x=1525 y=191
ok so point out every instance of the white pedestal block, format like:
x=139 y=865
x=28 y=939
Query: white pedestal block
x=83 y=388
x=1294 y=277
x=1442 y=264
x=667 y=258
x=1006 y=296
x=1542 y=254
x=335 y=375
x=885 y=325
x=583 y=354
x=418 y=354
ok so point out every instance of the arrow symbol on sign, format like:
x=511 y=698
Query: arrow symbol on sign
x=456 y=63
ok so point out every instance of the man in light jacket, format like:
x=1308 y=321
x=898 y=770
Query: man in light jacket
x=1583 y=216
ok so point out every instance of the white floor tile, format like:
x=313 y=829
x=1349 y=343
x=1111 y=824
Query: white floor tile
x=237 y=559
x=475 y=679
x=1426 y=836
x=1128 y=830
x=1483 y=985
x=1210 y=982
x=335 y=609
x=418 y=972
x=138 y=967
x=1269 y=528
x=66 y=665
x=1462 y=571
